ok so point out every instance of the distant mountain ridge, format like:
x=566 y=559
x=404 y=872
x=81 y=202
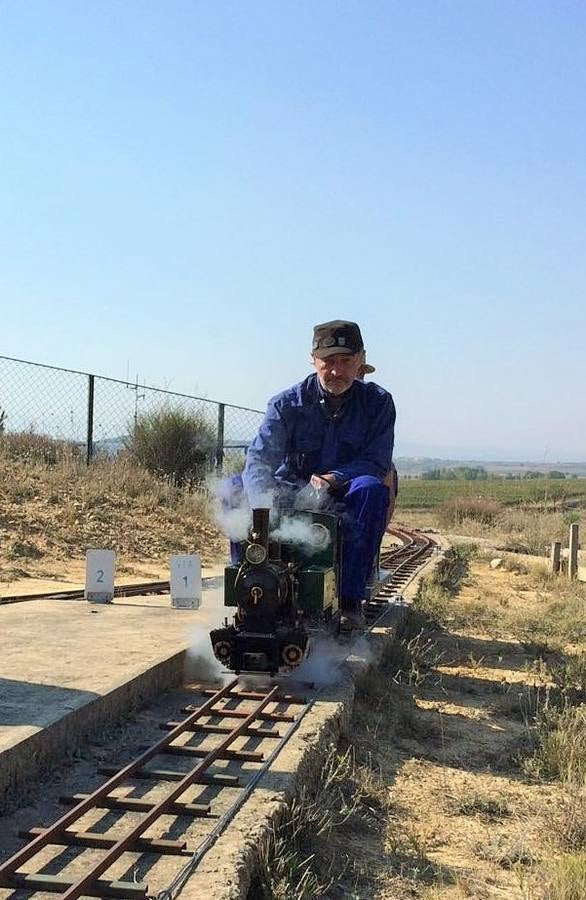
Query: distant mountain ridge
x=407 y=465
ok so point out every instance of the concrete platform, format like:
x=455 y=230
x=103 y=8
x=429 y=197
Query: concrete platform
x=69 y=668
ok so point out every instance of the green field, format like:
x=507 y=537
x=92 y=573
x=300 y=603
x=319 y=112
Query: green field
x=415 y=493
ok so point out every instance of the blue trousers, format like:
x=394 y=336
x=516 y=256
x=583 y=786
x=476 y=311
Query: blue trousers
x=363 y=507
x=364 y=514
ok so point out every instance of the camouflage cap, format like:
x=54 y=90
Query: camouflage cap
x=338 y=336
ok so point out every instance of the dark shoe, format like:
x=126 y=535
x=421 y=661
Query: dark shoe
x=352 y=619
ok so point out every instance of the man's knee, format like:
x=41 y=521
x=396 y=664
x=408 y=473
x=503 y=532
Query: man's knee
x=371 y=486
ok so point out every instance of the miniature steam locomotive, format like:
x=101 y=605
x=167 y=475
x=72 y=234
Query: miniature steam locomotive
x=284 y=587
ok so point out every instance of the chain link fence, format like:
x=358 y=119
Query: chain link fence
x=98 y=414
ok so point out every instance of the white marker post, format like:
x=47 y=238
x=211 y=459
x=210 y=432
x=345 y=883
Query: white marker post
x=100 y=566
x=185 y=581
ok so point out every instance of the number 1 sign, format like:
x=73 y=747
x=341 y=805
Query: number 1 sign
x=186 y=581
x=99 y=575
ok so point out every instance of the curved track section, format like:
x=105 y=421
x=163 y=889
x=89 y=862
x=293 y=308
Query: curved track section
x=404 y=563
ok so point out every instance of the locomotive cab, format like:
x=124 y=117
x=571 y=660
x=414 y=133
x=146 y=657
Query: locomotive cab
x=283 y=587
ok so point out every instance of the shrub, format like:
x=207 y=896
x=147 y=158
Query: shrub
x=457 y=510
x=172 y=443
x=233 y=462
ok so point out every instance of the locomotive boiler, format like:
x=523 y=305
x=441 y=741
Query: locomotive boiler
x=284 y=587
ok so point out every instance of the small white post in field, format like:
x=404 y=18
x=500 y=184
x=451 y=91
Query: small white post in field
x=185 y=581
x=556 y=553
x=100 y=566
x=573 y=551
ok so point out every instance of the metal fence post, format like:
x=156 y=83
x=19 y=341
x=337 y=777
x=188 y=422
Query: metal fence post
x=220 y=437
x=90 y=420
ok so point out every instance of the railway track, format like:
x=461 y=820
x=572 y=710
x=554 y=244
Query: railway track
x=124 y=590
x=403 y=563
x=162 y=811
x=225 y=741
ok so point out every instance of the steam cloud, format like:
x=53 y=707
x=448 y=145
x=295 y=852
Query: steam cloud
x=323 y=666
x=233 y=514
x=296 y=531
x=200 y=662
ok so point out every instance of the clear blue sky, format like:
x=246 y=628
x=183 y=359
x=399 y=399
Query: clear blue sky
x=187 y=187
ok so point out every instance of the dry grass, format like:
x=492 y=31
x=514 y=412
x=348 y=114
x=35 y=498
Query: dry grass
x=435 y=592
x=566 y=822
x=57 y=510
x=312 y=852
x=27 y=446
x=475 y=734
x=463 y=509
x=567 y=878
x=528 y=529
x=561 y=746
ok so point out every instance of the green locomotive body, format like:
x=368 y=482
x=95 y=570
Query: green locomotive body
x=284 y=586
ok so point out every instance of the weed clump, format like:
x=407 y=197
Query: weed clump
x=567 y=879
x=478 y=509
x=561 y=746
x=435 y=592
x=313 y=847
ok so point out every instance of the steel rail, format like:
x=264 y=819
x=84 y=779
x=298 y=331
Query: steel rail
x=177 y=883
x=402 y=572
x=18 y=859
x=126 y=842
x=122 y=590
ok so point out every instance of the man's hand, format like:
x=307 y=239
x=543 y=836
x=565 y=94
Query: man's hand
x=323 y=482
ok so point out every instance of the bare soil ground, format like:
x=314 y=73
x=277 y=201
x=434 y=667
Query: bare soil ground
x=445 y=795
x=464 y=811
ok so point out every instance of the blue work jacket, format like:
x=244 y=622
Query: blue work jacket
x=299 y=437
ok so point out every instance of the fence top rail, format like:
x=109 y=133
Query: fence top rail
x=28 y=362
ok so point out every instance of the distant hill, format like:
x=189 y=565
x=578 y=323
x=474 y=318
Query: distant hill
x=410 y=465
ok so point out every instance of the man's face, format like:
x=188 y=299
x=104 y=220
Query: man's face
x=337 y=372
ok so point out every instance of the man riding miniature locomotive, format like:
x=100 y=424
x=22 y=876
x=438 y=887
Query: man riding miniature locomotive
x=332 y=434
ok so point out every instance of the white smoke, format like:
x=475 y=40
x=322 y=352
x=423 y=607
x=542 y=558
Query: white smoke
x=235 y=523
x=324 y=665
x=310 y=535
x=310 y=499
x=233 y=512
x=200 y=662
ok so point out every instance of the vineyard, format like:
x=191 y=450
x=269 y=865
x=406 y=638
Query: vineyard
x=416 y=493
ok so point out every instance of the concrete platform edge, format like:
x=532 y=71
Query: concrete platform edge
x=32 y=757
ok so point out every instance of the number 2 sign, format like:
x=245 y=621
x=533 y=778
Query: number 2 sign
x=100 y=566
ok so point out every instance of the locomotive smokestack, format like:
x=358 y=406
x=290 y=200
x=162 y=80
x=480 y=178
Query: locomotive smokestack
x=260 y=526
